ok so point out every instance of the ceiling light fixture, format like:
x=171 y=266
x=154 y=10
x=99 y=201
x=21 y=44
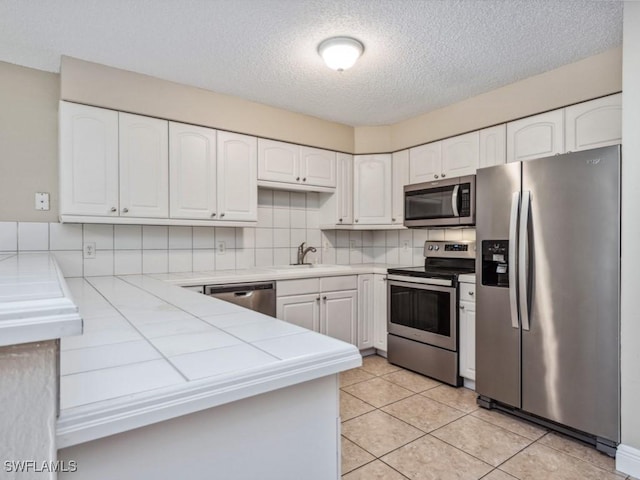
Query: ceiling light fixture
x=340 y=53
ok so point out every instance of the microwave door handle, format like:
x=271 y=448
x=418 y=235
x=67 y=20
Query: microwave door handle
x=454 y=201
x=523 y=260
x=513 y=260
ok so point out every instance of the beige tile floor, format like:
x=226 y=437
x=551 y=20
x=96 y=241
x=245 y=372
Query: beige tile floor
x=399 y=425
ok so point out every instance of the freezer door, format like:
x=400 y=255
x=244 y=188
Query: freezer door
x=570 y=355
x=497 y=341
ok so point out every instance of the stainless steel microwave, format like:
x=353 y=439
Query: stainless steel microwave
x=441 y=203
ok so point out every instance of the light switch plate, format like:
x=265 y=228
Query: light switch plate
x=42 y=201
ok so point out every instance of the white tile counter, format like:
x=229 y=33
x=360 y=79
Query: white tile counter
x=152 y=351
x=35 y=304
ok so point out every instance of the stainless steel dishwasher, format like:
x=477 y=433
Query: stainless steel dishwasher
x=260 y=297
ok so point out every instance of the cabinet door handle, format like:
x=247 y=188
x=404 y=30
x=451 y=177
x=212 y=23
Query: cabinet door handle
x=125 y=210
x=324 y=298
x=304 y=179
x=297 y=179
x=340 y=220
x=114 y=209
x=393 y=219
x=443 y=175
x=471 y=294
x=221 y=215
x=318 y=299
x=356 y=220
x=213 y=214
x=435 y=176
x=461 y=307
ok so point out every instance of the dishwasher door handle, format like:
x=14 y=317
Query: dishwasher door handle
x=244 y=294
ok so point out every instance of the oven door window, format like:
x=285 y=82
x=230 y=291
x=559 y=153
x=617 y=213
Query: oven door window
x=423 y=313
x=429 y=204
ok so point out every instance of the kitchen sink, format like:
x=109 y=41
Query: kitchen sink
x=309 y=266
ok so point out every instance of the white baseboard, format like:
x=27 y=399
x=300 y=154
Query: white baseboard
x=628 y=460
x=470 y=384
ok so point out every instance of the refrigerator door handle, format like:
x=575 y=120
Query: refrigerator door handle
x=454 y=201
x=513 y=260
x=523 y=260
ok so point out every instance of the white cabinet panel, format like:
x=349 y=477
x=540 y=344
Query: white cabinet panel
x=301 y=310
x=460 y=155
x=88 y=160
x=237 y=179
x=593 y=124
x=338 y=317
x=365 y=311
x=344 y=189
x=400 y=178
x=318 y=167
x=535 y=137
x=192 y=168
x=278 y=161
x=144 y=166
x=493 y=146
x=467 y=319
x=372 y=189
x=380 y=312
x=425 y=162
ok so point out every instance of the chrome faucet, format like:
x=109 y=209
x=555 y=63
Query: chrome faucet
x=302 y=252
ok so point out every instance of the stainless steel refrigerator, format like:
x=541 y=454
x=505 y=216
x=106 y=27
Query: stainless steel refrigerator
x=548 y=291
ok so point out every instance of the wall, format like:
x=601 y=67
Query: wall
x=592 y=77
x=28 y=142
x=284 y=221
x=630 y=329
x=103 y=86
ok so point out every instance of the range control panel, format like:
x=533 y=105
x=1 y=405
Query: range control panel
x=462 y=249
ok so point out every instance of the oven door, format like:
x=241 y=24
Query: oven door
x=422 y=312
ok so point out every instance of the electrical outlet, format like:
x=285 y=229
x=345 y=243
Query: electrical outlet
x=352 y=244
x=42 y=201
x=405 y=245
x=222 y=247
x=89 y=250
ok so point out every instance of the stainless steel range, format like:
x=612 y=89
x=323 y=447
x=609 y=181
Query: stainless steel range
x=422 y=316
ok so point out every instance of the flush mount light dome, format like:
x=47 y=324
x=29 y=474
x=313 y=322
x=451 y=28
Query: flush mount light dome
x=340 y=53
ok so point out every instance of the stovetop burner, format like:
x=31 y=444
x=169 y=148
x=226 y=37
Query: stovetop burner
x=445 y=260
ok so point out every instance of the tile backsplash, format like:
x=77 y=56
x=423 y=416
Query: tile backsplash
x=285 y=219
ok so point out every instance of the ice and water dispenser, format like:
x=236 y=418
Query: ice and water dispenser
x=495 y=263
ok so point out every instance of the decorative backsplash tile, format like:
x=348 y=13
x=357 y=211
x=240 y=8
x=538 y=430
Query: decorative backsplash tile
x=285 y=220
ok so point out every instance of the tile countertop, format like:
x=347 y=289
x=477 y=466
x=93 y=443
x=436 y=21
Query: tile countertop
x=152 y=351
x=35 y=304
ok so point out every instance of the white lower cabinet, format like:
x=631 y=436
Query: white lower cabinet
x=328 y=305
x=372 y=312
x=467 y=323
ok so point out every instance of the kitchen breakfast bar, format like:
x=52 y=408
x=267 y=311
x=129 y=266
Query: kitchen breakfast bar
x=168 y=383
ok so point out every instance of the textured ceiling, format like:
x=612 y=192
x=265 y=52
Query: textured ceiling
x=419 y=55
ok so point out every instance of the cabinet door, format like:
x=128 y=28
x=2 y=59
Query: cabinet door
x=301 y=310
x=192 y=171
x=144 y=166
x=237 y=178
x=400 y=178
x=344 y=189
x=88 y=160
x=278 y=161
x=425 y=162
x=593 y=124
x=493 y=146
x=365 y=311
x=380 y=312
x=372 y=189
x=535 y=137
x=460 y=155
x=468 y=340
x=338 y=317
x=317 y=167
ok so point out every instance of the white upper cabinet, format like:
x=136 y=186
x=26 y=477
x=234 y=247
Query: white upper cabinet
x=460 y=155
x=318 y=167
x=535 y=137
x=425 y=162
x=192 y=168
x=372 y=189
x=296 y=167
x=593 y=124
x=144 y=166
x=344 y=189
x=400 y=178
x=237 y=177
x=493 y=146
x=278 y=161
x=88 y=160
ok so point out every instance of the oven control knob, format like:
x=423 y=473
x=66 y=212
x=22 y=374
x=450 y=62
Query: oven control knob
x=436 y=248
x=430 y=247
